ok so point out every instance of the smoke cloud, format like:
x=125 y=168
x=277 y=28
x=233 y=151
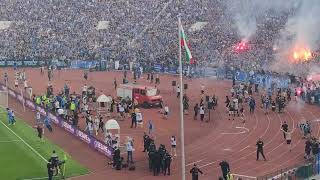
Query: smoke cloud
x=246 y=12
x=301 y=31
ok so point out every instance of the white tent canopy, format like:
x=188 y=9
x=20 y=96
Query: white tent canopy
x=112 y=124
x=104 y=99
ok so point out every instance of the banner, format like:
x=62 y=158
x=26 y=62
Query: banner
x=2 y=63
x=79 y=134
x=11 y=62
x=30 y=63
x=157 y=67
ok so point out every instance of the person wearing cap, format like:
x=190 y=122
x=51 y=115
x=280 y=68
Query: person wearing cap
x=195 y=172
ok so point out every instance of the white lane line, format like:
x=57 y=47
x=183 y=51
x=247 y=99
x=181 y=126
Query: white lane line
x=9 y=141
x=244 y=148
x=227 y=149
x=244 y=176
x=36 y=152
x=241 y=132
x=194 y=162
x=243 y=128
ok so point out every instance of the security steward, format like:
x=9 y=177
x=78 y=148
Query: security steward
x=167 y=162
x=285 y=129
x=146 y=142
x=225 y=168
x=151 y=159
x=156 y=163
x=195 y=172
x=162 y=152
x=116 y=156
x=260 y=149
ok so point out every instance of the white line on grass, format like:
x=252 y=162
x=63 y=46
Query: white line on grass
x=36 y=178
x=8 y=141
x=36 y=152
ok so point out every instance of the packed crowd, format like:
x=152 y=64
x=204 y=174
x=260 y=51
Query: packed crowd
x=69 y=31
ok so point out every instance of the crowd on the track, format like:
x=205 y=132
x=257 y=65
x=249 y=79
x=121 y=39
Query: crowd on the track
x=242 y=96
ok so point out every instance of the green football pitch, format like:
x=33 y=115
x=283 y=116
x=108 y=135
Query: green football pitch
x=23 y=155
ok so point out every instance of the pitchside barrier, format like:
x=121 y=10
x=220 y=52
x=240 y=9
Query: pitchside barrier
x=79 y=134
x=296 y=172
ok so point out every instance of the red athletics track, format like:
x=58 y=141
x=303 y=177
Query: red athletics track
x=205 y=143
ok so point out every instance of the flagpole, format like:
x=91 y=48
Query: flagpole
x=183 y=161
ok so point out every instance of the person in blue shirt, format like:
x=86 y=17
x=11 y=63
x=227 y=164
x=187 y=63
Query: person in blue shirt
x=47 y=123
x=15 y=66
x=252 y=104
x=150 y=127
x=9 y=115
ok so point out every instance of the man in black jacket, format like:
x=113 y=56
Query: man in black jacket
x=285 y=128
x=133 y=120
x=146 y=142
x=50 y=168
x=260 y=145
x=116 y=156
x=167 y=162
x=225 y=168
x=156 y=163
x=195 y=172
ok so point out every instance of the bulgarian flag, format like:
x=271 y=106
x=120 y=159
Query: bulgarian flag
x=185 y=45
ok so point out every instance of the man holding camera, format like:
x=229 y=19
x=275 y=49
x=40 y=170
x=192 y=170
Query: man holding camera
x=50 y=168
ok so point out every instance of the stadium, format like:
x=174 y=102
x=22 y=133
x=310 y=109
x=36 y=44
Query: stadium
x=161 y=89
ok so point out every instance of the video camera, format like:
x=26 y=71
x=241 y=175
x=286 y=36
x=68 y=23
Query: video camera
x=59 y=163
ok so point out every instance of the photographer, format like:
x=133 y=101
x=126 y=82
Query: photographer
x=50 y=168
x=55 y=161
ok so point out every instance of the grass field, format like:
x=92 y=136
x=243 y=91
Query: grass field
x=17 y=159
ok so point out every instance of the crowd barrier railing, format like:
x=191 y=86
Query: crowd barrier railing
x=296 y=172
x=91 y=141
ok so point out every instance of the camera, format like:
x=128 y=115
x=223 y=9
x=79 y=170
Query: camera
x=61 y=162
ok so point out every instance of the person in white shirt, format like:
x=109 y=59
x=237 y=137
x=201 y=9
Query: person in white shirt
x=121 y=111
x=173 y=146
x=96 y=124
x=16 y=83
x=129 y=147
x=178 y=91
x=90 y=128
x=84 y=90
x=288 y=138
x=85 y=107
x=60 y=112
x=38 y=118
x=166 y=111
x=13 y=118
x=108 y=138
x=201 y=111
x=57 y=105
x=25 y=83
